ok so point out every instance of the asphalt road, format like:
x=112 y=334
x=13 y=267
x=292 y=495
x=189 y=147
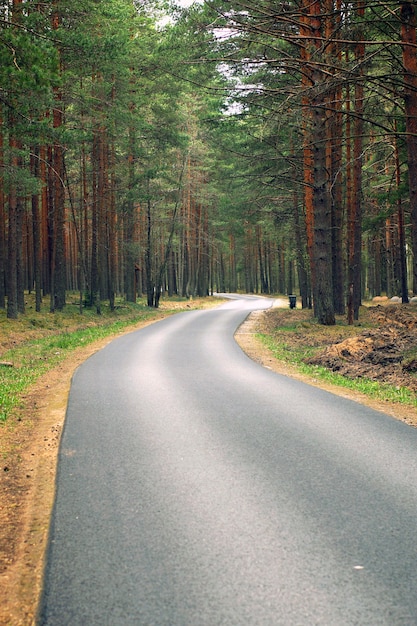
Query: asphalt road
x=196 y=488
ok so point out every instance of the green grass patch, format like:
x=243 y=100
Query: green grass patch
x=286 y=351
x=296 y=356
x=43 y=340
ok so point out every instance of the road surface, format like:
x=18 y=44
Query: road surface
x=196 y=488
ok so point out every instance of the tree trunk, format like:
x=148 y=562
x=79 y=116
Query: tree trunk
x=14 y=202
x=355 y=206
x=128 y=225
x=150 y=284
x=95 y=296
x=301 y=258
x=322 y=288
x=12 y=309
x=37 y=244
x=409 y=42
x=44 y=217
x=306 y=120
x=2 y=220
x=334 y=158
x=322 y=243
x=401 y=231
x=15 y=300
x=111 y=236
x=262 y=270
x=58 y=268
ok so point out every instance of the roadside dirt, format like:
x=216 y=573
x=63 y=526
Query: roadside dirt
x=29 y=449
x=29 y=454
x=386 y=352
x=29 y=442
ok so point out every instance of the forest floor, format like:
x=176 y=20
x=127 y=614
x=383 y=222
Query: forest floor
x=382 y=346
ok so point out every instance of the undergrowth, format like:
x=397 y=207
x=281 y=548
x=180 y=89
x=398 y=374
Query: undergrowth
x=283 y=347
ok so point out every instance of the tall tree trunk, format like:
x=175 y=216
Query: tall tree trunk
x=2 y=219
x=261 y=263
x=401 y=230
x=306 y=121
x=14 y=201
x=44 y=217
x=349 y=189
x=37 y=242
x=303 y=279
x=58 y=268
x=322 y=244
x=316 y=176
x=12 y=307
x=36 y=232
x=20 y=219
x=150 y=283
x=95 y=296
x=14 y=277
x=334 y=155
x=112 y=243
x=103 y=211
x=85 y=229
x=355 y=206
x=322 y=288
x=409 y=43
x=128 y=224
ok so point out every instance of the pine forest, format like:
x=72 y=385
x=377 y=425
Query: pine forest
x=150 y=148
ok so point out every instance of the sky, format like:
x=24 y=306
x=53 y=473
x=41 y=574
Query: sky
x=185 y=3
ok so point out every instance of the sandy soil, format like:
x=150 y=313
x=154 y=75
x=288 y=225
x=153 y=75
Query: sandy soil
x=261 y=323
x=29 y=458
x=29 y=450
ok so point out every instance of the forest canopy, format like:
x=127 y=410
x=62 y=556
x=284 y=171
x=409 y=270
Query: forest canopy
x=149 y=148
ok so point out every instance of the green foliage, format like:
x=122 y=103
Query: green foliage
x=219 y=85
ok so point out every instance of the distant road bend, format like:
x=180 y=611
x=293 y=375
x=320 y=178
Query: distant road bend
x=197 y=488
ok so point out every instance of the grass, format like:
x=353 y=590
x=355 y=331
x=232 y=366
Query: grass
x=296 y=341
x=370 y=388
x=37 y=342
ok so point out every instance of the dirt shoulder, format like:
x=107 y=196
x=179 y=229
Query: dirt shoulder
x=380 y=360
x=29 y=451
x=29 y=460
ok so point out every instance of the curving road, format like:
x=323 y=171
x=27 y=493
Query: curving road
x=196 y=488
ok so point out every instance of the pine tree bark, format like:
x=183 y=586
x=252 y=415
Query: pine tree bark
x=46 y=250
x=355 y=199
x=58 y=195
x=14 y=203
x=322 y=243
x=409 y=43
x=95 y=296
x=112 y=222
x=322 y=288
x=14 y=248
x=303 y=279
x=306 y=121
x=128 y=224
x=2 y=220
x=334 y=154
x=150 y=283
x=12 y=307
x=36 y=225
